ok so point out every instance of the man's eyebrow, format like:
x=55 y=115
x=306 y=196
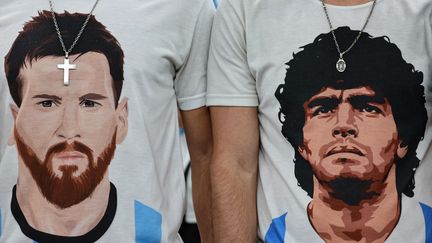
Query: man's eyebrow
x=47 y=96
x=92 y=96
x=364 y=99
x=323 y=101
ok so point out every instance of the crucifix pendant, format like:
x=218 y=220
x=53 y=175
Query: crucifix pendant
x=66 y=67
x=341 y=64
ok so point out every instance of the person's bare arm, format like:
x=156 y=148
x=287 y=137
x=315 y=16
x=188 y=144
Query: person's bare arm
x=199 y=138
x=233 y=170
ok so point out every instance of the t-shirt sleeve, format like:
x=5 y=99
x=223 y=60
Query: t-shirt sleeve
x=230 y=82
x=191 y=80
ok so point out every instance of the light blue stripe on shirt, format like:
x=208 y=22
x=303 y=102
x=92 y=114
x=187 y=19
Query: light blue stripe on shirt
x=148 y=224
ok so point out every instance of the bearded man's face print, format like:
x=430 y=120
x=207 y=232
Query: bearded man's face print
x=66 y=135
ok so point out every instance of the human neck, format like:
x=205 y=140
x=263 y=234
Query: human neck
x=371 y=221
x=346 y=2
x=43 y=216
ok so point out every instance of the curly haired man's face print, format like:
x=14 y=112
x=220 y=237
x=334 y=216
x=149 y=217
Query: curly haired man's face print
x=350 y=136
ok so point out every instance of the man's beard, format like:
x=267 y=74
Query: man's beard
x=351 y=190
x=68 y=190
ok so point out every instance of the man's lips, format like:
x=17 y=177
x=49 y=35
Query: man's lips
x=344 y=149
x=70 y=155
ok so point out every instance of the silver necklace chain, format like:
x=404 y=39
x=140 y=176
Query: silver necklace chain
x=67 y=51
x=341 y=64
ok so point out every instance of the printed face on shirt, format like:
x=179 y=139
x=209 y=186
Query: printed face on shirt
x=66 y=135
x=350 y=134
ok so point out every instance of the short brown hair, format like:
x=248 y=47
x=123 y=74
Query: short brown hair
x=38 y=39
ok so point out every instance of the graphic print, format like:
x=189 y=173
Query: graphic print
x=65 y=136
x=355 y=134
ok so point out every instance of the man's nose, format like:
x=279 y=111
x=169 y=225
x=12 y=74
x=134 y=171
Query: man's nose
x=346 y=123
x=69 y=124
x=344 y=132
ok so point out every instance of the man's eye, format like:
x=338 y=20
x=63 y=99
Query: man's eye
x=46 y=103
x=89 y=103
x=371 y=109
x=322 y=110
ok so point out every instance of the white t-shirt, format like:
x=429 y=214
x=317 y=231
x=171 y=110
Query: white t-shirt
x=165 y=46
x=279 y=56
x=190 y=212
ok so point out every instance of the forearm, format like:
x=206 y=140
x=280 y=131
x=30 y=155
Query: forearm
x=234 y=202
x=201 y=192
x=199 y=136
x=233 y=172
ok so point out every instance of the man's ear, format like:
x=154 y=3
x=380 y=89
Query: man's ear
x=401 y=151
x=302 y=151
x=14 y=110
x=122 y=120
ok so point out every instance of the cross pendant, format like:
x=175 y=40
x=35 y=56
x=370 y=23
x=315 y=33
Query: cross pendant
x=66 y=67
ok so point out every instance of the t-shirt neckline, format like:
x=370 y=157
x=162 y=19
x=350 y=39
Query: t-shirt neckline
x=91 y=236
x=358 y=6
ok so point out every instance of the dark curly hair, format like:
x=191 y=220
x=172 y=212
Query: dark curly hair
x=373 y=62
x=38 y=39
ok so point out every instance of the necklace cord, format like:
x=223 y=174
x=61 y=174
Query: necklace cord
x=357 y=37
x=67 y=51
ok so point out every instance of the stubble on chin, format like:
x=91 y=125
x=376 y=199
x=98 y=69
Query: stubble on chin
x=350 y=190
